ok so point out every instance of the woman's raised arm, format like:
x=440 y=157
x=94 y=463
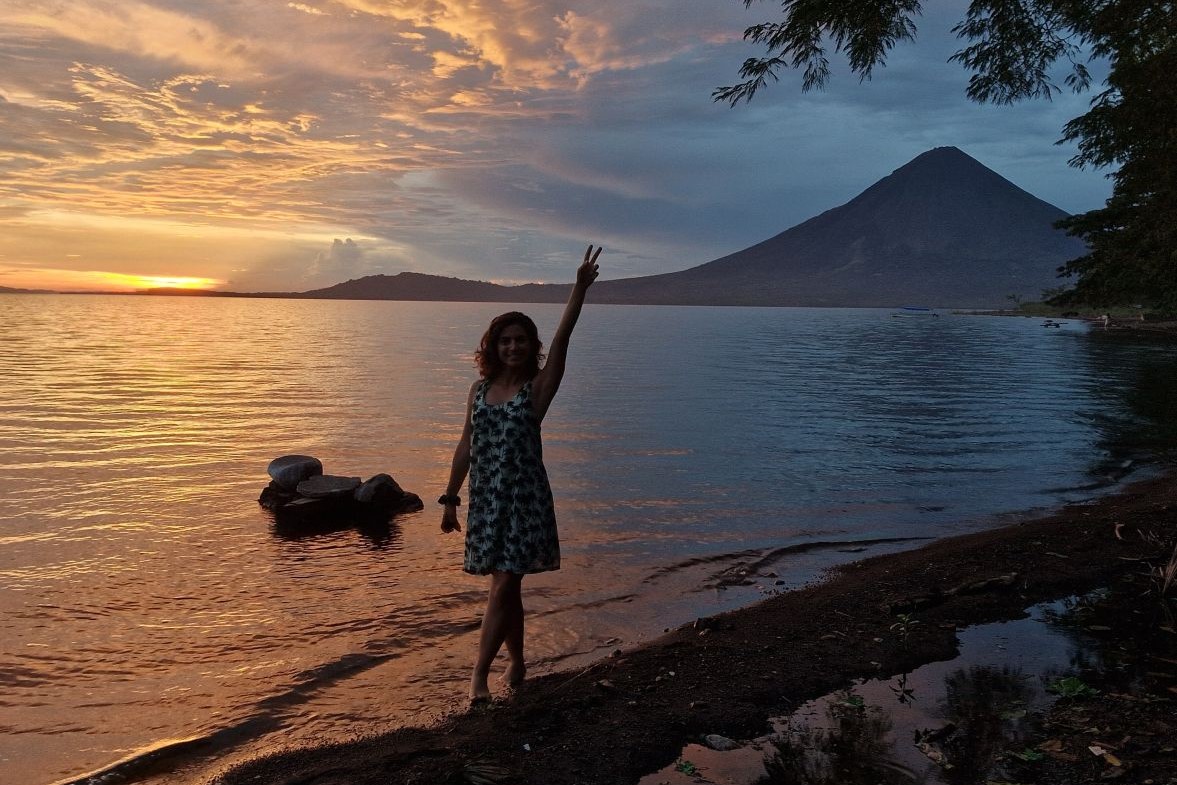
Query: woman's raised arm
x=547 y=382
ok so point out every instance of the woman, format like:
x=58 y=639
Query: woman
x=511 y=522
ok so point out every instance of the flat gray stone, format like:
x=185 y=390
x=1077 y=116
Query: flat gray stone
x=289 y=470
x=328 y=486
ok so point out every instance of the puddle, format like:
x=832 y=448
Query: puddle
x=968 y=720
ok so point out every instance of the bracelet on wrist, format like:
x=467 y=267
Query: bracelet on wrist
x=450 y=498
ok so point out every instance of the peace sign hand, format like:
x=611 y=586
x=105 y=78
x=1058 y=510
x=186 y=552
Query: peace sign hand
x=588 y=270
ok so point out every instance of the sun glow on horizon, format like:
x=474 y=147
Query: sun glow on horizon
x=171 y=282
x=99 y=281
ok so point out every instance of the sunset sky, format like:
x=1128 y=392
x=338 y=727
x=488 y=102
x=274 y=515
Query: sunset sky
x=262 y=145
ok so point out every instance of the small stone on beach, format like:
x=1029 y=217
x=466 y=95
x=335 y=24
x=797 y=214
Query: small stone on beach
x=719 y=743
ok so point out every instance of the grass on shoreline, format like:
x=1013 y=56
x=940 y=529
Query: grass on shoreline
x=1119 y=313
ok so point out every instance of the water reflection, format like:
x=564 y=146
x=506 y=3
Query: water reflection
x=1132 y=653
x=986 y=708
x=1137 y=419
x=380 y=531
x=983 y=712
x=850 y=745
x=902 y=690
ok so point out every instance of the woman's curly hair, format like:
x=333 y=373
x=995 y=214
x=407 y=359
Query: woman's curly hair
x=487 y=355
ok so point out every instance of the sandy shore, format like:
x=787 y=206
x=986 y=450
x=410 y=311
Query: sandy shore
x=631 y=714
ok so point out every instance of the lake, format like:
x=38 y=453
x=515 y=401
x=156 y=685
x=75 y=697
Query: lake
x=701 y=458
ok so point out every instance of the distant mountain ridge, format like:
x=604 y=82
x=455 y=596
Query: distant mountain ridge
x=422 y=286
x=14 y=290
x=942 y=230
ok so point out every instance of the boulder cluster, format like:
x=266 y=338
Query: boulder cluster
x=299 y=487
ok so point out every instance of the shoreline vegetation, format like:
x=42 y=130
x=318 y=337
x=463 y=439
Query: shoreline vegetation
x=631 y=714
x=1121 y=319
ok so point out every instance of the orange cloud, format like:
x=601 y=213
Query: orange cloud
x=516 y=39
x=325 y=118
x=133 y=27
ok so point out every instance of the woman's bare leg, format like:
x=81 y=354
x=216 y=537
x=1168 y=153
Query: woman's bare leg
x=516 y=667
x=497 y=622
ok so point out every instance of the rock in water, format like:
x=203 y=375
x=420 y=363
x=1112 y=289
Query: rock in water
x=274 y=496
x=301 y=493
x=289 y=470
x=328 y=486
x=380 y=489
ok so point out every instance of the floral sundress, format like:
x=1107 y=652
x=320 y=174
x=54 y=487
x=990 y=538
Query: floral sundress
x=511 y=520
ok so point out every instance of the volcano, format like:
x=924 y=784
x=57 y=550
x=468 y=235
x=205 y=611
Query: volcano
x=942 y=230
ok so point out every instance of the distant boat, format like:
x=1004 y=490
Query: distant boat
x=912 y=311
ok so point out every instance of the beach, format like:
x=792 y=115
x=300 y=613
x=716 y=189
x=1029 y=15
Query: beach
x=630 y=714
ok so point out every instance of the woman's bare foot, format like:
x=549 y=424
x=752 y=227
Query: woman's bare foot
x=514 y=674
x=479 y=690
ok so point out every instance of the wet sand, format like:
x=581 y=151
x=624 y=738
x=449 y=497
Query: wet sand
x=631 y=714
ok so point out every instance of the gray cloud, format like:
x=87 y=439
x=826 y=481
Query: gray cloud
x=342 y=262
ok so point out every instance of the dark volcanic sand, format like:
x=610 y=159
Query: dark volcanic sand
x=628 y=716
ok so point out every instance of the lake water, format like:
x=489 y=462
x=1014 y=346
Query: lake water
x=701 y=458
